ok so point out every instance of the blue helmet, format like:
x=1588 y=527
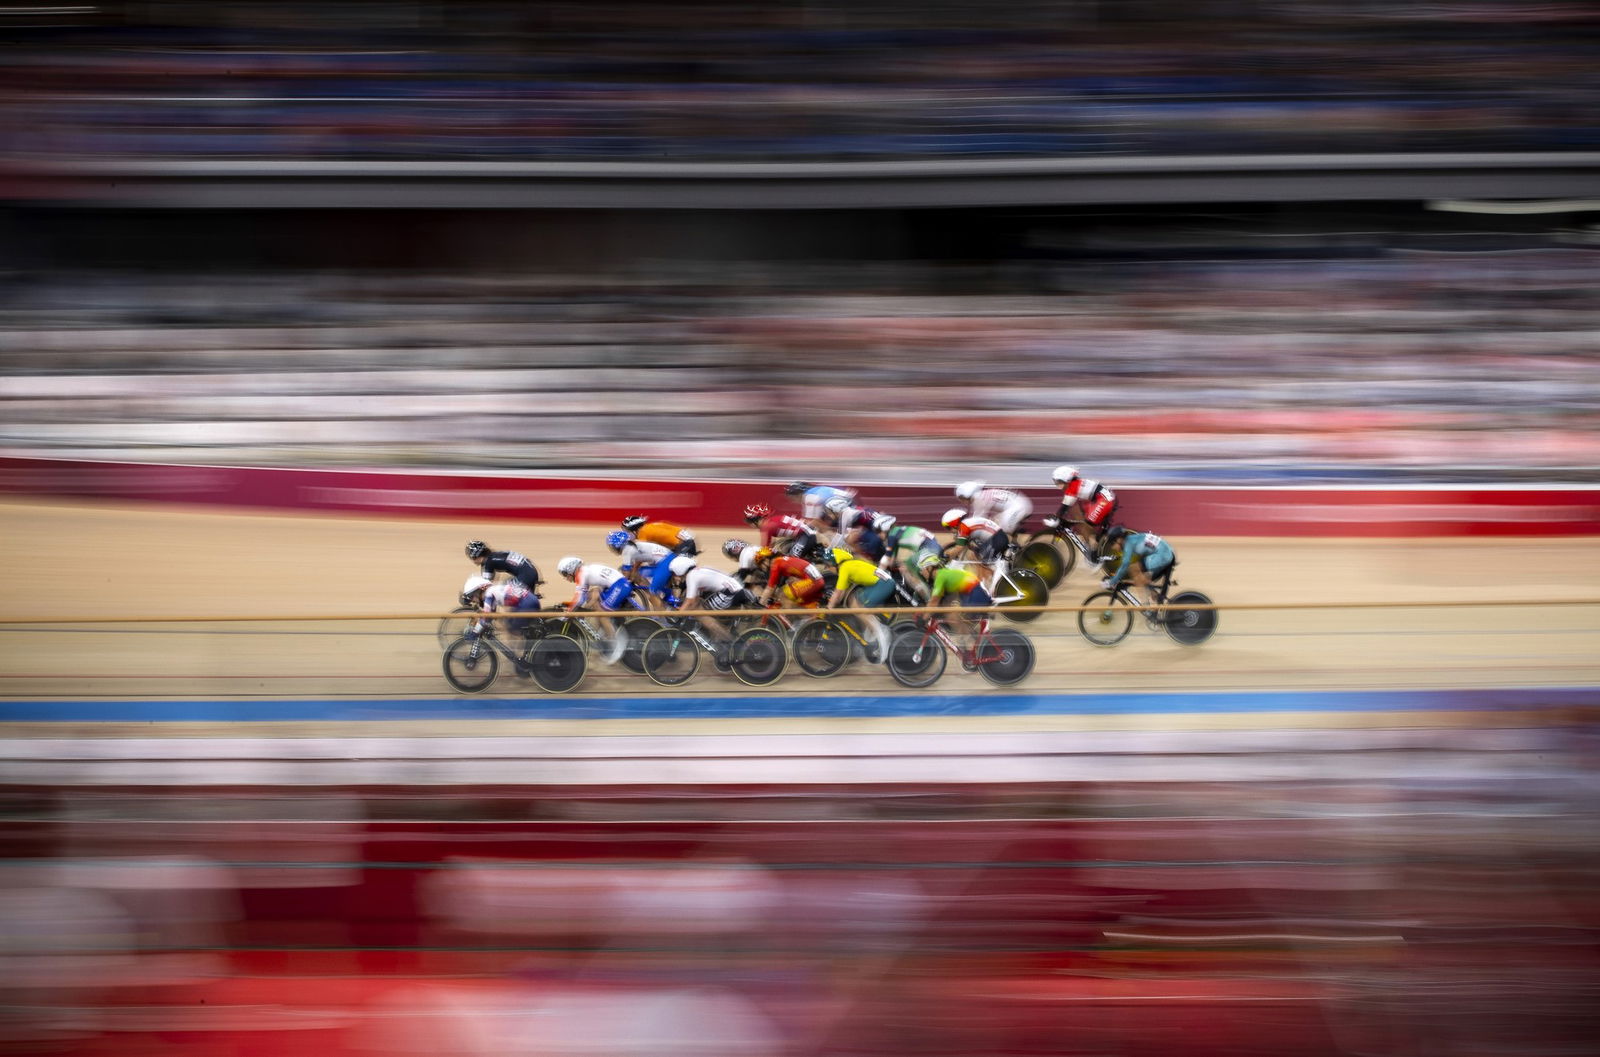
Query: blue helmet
x=618 y=540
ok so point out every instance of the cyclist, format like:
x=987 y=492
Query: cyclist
x=675 y=538
x=506 y=595
x=859 y=528
x=704 y=589
x=604 y=586
x=904 y=547
x=781 y=531
x=860 y=581
x=645 y=565
x=513 y=564
x=1005 y=508
x=960 y=585
x=1145 y=556
x=814 y=500
x=1097 y=504
x=799 y=581
x=985 y=539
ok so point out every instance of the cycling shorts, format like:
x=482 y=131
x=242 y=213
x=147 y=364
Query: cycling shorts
x=990 y=549
x=978 y=598
x=875 y=594
x=660 y=575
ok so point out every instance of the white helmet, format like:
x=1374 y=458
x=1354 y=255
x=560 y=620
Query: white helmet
x=475 y=583
x=952 y=516
x=1064 y=474
x=882 y=523
x=967 y=489
x=681 y=565
x=836 y=504
x=569 y=566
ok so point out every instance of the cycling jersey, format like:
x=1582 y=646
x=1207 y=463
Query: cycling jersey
x=512 y=564
x=802 y=582
x=959 y=583
x=1008 y=509
x=785 y=527
x=719 y=590
x=614 y=588
x=815 y=501
x=1150 y=550
x=510 y=596
x=666 y=534
x=1093 y=498
x=873 y=586
x=652 y=560
x=986 y=538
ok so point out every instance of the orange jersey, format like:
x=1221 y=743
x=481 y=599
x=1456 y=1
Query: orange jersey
x=666 y=534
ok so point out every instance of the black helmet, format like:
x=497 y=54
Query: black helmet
x=1116 y=532
x=477 y=549
x=798 y=488
x=634 y=522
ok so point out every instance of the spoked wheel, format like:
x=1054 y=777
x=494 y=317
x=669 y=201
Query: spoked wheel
x=558 y=663
x=470 y=665
x=916 y=658
x=1189 y=627
x=670 y=656
x=1106 y=619
x=1051 y=561
x=759 y=657
x=821 y=647
x=638 y=629
x=1031 y=589
x=453 y=627
x=1005 y=657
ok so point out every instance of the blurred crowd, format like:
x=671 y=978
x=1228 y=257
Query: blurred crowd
x=1407 y=365
x=493 y=80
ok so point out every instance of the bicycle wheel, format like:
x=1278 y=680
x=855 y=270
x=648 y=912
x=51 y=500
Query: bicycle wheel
x=453 y=627
x=1041 y=555
x=1107 y=620
x=558 y=663
x=821 y=647
x=470 y=665
x=916 y=659
x=1189 y=627
x=1005 y=657
x=1030 y=590
x=638 y=629
x=759 y=657
x=670 y=656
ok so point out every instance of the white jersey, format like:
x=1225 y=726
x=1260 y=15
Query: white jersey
x=642 y=552
x=599 y=577
x=1007 y=508
x=702 y=581
x=506 y=594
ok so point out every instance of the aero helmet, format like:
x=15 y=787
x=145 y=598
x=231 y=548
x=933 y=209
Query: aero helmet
x=681 y=565
x=954 y=516
x=1064 y=474
x=618 y=540
x=755 y=512
x=477 y=549
x=836 y=504
x=882 y=523
x=734 y=548
x=798 y=488
x=967 y=489
x=930 y=561
x=569 y=566
x=635 y=522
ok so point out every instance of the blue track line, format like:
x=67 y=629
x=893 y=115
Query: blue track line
x=732 y=706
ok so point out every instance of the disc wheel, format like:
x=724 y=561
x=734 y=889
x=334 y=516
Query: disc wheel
x=638 y=629
x=821 y=648
x=1005 y=657
x=453 y=627
x=1106 y=619
x=558 y=664
x=759 y=657
x=470 y=665
x=670 y=657
x=1189 y=627
x=1041 y=555
x=1032 y=591
x=916 y=658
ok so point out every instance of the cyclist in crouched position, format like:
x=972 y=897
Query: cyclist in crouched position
x=1145 y=557
x=603 y=586
x=955 y=585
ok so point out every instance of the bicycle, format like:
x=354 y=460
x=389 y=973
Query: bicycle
x=1010 y=585
x=757 y=656
x=1049 y=561
x=1108 y=615
x=471 y=663
x=918 y=653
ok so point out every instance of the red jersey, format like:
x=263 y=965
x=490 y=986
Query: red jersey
x=782 y=527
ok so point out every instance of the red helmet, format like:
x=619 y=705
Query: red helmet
x=755 y=512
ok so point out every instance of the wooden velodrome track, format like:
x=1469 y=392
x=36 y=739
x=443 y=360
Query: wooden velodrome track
x=1346 y=621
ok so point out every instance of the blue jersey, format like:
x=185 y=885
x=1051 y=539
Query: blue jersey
x=1151 y=550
